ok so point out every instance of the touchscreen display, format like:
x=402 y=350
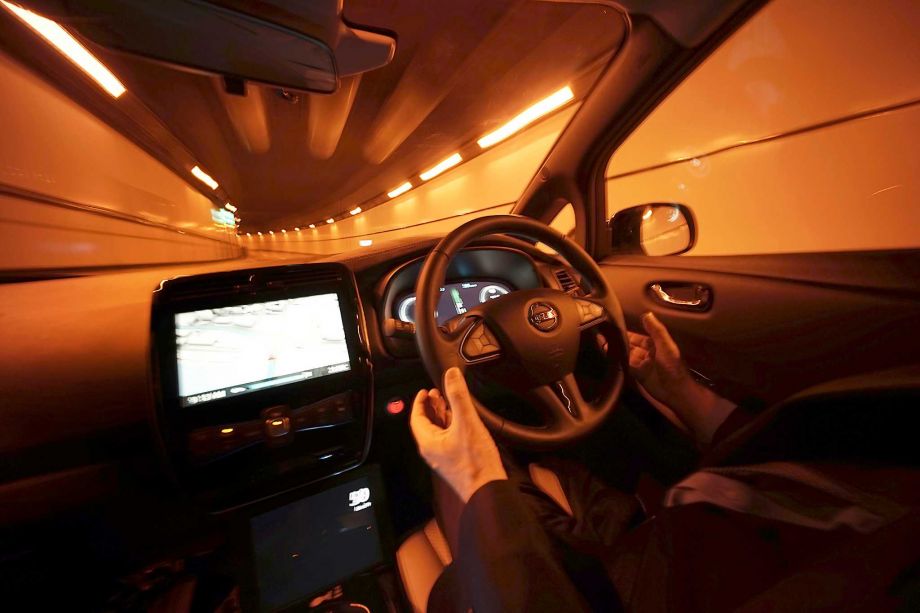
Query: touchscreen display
x=314 y=543
x=233 y=350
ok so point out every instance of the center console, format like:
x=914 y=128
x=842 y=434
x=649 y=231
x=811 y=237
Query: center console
x=262 y=378
x=331 y=542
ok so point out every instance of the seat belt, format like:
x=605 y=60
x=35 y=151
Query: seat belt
x=729 y=488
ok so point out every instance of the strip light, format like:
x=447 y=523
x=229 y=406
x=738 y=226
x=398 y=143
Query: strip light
x=355 y=210
x=402 y=189
x=446 y=164
x=204 y=177
x=330 y=220
x=365 y=242
x=62 y=40
x=229 y=207
x=530 y=115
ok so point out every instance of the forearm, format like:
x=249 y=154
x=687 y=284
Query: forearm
x=701 y=409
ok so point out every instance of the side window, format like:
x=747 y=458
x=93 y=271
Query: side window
x=564 y=221
x=797 y=135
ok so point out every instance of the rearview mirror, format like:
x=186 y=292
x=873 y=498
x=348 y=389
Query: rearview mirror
x=653 y=229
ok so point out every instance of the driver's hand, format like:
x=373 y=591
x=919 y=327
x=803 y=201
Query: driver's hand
x=452 y=438
x=655 y=362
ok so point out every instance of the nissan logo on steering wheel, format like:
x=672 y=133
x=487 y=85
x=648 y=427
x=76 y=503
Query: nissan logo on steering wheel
x=543 y=316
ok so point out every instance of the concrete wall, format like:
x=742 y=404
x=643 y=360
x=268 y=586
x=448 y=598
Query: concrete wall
x=76 y=193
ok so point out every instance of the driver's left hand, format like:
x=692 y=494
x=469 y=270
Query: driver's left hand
x=452 y=438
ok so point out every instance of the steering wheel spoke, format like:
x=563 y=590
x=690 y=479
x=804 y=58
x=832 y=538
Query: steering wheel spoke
x=561 y=400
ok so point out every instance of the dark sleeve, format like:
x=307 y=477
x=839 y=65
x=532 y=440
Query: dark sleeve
x=505 y=561
x=743 y=414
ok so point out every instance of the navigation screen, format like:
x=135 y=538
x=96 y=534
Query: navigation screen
x=235 y=350
x=314 y=543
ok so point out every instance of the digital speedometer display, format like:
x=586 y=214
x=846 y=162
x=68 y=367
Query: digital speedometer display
x=456 y=299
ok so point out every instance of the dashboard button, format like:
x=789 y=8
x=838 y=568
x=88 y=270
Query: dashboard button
x=212 y=441
x=277 y=426
x=396 y=406
x=329 y=412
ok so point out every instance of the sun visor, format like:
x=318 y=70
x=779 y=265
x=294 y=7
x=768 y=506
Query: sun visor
x=295 y=51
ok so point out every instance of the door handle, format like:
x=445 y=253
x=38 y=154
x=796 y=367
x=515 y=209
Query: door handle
x=693 y=296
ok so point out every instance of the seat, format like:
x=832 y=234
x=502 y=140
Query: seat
x=421 y=559
x=424 y=555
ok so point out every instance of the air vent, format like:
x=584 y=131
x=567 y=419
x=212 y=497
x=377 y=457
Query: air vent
x=566 y=281
x=300 y=275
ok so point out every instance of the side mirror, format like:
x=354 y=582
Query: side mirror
x=653 y=229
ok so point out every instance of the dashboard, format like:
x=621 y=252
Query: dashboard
x=197 y=402
x=265 y=377
x=253 y=377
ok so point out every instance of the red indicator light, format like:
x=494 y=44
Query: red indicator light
x=396 y=406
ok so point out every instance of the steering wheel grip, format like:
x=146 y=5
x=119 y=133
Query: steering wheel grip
x=536 y=331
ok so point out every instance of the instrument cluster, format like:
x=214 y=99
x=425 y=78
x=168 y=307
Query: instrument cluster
x=456 y=299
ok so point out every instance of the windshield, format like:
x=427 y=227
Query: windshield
x=452 y=127
x=488 y=88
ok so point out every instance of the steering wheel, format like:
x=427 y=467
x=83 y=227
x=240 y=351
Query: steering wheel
x=528 y=340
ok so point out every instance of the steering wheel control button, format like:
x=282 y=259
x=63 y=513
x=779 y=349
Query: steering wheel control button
x=543 y=316
x=589 y=311
x=479 y=344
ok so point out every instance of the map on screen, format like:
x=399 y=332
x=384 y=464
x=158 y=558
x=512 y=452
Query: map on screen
x=228 y=351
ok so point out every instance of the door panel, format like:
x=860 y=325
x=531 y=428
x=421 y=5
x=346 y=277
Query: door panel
x=777 y=324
